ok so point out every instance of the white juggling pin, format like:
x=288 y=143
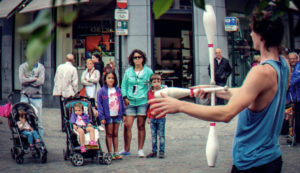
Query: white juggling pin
x=212 y=146
x=183 y=92
x=209 y=22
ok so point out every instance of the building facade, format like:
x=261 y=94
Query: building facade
x=175 y=44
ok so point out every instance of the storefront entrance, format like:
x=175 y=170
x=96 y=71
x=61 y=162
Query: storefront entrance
x=173 y=51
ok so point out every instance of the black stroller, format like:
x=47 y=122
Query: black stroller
x=72 y=150
x=21 y=145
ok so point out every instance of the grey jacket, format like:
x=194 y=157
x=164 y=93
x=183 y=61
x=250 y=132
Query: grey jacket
x=32 y=81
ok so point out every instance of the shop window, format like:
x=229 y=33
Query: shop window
x=94 y=37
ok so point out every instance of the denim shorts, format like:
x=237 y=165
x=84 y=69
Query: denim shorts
x=113 y=120
x=136 y=110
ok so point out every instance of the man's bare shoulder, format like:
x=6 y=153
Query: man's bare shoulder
x=264 y=71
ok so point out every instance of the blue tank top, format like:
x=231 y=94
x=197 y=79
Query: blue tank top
x=256 y=138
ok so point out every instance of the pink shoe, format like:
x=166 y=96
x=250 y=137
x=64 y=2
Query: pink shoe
x=31 y=146
x=82 y=149
x=93 y=143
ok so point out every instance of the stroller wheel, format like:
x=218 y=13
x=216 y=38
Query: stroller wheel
x=65 y=154
x=36 y=154
x=107 y=159
x=100 y=157
x=77 y=159
x=12 y=153
x=20 y=159
x=44 y=158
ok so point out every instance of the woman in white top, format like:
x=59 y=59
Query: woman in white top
x=90 y=79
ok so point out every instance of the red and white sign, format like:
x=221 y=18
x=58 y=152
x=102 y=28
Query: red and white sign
x=122 y=3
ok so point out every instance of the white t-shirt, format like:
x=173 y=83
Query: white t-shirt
x=113 y=102
x=139 y=73
x=26 y=126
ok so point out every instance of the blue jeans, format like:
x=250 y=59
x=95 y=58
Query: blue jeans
x=38 y=104
x=158 y=127
x=30 y=135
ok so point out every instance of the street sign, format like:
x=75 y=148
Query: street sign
x=121 y=27
x=122 y=3
x=231 y=24
x=121 y=14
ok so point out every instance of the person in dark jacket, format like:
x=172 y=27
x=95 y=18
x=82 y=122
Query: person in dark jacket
x=99 y=65
x=222 y=71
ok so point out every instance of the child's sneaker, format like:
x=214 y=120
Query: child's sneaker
x=113 y=157
x=161 y=155
x=82 y=149
x=141 y=153
x=93 y=143
x=151 y=155
x=31 y=147
x=101 y=128
x=124 y=153
x=117 y=156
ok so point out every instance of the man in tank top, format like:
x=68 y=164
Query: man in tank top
x=259 y=103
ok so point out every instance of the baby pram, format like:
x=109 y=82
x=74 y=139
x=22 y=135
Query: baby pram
x=72 y=150
x=20 y=142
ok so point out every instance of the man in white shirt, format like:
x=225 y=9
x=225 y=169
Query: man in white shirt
x=66 y=82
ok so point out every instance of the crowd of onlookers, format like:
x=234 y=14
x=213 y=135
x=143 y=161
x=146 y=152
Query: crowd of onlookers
x=113 y=104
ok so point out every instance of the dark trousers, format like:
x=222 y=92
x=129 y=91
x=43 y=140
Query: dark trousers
x=272 y=167
x=297 y=121
x=62 y=112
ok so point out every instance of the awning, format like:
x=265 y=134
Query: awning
x=6 y=6
x=35 y=5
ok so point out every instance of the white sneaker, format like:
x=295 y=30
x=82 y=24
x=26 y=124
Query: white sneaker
x=141 y=153
x=101 y=128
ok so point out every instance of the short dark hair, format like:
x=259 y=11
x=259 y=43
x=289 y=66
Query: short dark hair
x=98 y=56
x=155 y=76
x=130 y=58
x=115 y=76
x=271 y=30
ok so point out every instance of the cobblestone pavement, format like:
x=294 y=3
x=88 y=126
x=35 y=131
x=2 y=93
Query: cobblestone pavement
x=185 y=149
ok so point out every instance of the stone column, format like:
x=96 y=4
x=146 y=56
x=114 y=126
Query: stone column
x=139 y=31
x=200 y=41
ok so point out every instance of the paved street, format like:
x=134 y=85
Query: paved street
x=185 y=150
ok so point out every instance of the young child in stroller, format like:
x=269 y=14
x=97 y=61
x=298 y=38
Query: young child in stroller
x=82 y=124
x=27 y=130
x=26 y=138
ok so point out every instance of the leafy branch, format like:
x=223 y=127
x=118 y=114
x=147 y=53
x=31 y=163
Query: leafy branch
x=40 y=31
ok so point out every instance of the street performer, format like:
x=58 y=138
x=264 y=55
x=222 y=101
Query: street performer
x=259 y=102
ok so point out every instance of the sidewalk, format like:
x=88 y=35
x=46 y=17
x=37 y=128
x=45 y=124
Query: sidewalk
x=185 y=149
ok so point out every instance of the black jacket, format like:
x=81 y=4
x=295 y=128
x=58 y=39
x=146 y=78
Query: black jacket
x=99 y=66
x=222 y=71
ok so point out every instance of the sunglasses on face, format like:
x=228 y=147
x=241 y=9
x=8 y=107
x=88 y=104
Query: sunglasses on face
x=137 y=57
